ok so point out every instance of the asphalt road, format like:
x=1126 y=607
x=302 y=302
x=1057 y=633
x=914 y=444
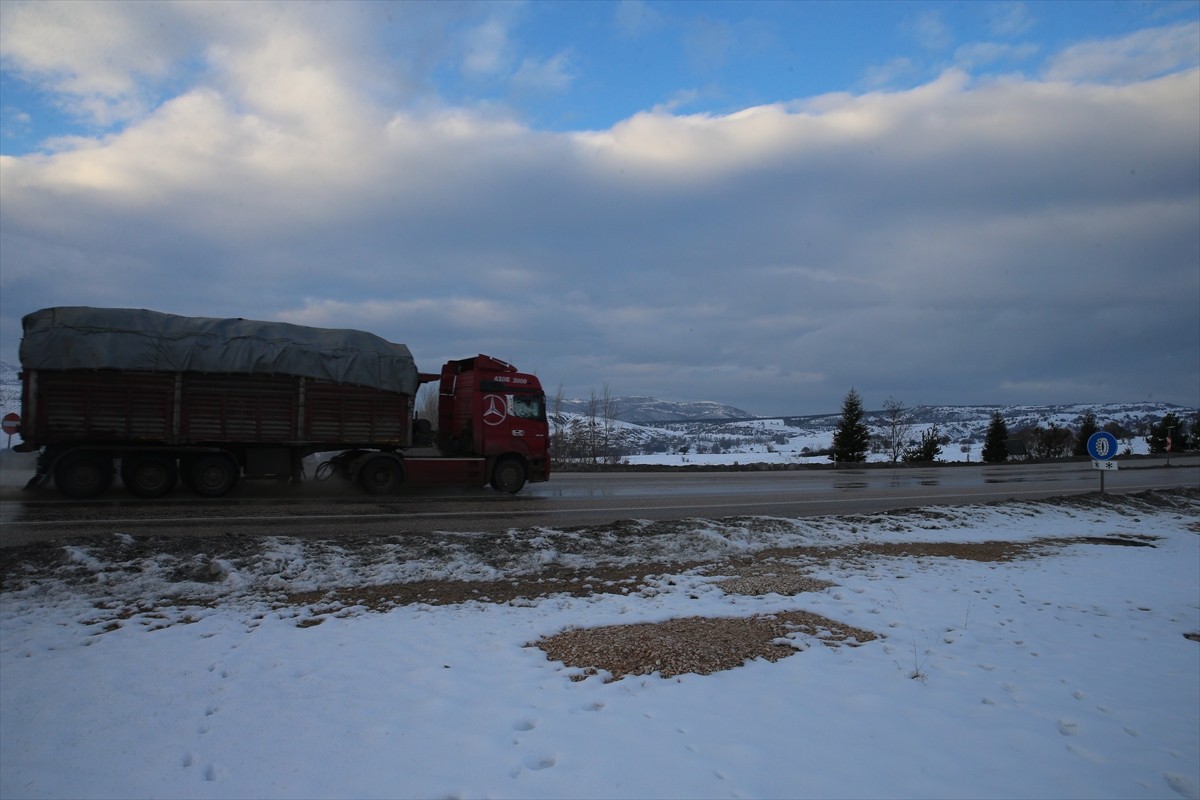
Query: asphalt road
x=567 y=500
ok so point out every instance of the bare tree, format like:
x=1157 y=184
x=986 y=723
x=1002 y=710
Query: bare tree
x=899 y=425
x=556 y=404
x=593 y=435
x=558 y=424
x=609 y=409
x=1052 y=442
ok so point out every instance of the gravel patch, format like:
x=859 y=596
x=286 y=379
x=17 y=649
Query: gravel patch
x=700 y=645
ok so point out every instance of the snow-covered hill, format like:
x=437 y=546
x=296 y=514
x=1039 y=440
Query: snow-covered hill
x=798 y=439
x=641 y=409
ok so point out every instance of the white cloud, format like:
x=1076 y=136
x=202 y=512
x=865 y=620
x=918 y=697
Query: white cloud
x=949 y=243
x=553 y=74
x=895 y=71
x=982 y=54
x=14 y=121
x=1009 y=19
x=930 y=30
x=680 y=99
x=488 y=50
x=1138 y=56
x=104 y=59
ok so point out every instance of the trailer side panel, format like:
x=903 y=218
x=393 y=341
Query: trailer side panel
x=104 y=406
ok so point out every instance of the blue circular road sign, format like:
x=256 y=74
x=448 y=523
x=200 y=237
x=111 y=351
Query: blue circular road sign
x=1102 y=446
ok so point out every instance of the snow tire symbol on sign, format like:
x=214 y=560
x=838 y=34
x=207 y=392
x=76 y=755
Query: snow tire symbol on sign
x=495 y=409
x=1102 y=446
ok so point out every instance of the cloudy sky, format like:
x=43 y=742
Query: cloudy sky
x=760 y=204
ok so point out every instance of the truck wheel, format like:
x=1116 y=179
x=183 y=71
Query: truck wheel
x=149 y=475
x=213 y=475
x=83 y=474
x=508 y=476
x=381 y=475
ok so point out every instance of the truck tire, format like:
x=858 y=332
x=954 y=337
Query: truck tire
x=381 y=475
x=508 y=475
x=213 y=474
x=83 y=474
x=149 y=474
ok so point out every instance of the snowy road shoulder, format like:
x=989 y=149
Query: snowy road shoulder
x=1065 y=670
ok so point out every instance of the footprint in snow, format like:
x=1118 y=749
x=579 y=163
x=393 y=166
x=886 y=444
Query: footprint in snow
x=1068 y=727
x=525 y=725
x=1182 y=785
x=538 y=763
x=1086 y=754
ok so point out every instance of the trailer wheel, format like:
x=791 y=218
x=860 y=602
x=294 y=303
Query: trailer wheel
x=149 y=474
x=381 y=475
x=81 y=475
x=508 y=476
x=213 y=475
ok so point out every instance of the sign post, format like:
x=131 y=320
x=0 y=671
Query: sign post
x=1102 y=447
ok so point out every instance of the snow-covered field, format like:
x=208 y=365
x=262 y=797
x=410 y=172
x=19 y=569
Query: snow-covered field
x=778 y=441
x=130 y=673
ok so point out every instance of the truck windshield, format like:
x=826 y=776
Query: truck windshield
x=528 y=406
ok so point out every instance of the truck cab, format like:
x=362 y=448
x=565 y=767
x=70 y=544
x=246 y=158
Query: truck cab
x=486 y=408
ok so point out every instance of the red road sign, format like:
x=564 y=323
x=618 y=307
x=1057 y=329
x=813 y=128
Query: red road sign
x=11 y=423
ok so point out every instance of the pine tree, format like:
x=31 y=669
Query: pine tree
x=852 y=439
x=928 y=449
x=1173 y=427
x=1087 y=427
x=995 y=447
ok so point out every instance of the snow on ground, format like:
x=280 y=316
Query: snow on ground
x=798 y=449
x=1070 y=674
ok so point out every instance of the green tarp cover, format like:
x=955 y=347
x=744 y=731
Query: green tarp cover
x=80 y=337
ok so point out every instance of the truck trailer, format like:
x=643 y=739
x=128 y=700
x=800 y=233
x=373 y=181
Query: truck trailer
x=159 y=398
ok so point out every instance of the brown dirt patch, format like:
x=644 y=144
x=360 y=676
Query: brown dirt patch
x=701 y=645
x=781 y=571
x=576 y=583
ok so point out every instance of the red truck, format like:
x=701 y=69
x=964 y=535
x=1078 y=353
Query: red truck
x=158 y=398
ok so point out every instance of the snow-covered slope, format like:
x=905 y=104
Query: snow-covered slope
x=137 y=669
x=795 y=439
x=643 y=409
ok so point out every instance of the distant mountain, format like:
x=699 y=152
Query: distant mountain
x=954 y=421
x=641 y=409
